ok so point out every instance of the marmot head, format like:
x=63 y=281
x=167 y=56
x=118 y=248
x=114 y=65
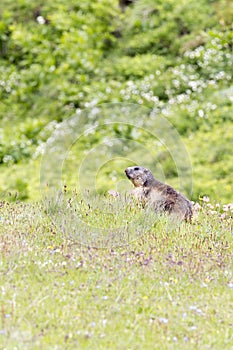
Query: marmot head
x=140 y=177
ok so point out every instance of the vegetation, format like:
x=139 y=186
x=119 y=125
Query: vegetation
x=86 y=90
x=59 y=58
x=169 y=289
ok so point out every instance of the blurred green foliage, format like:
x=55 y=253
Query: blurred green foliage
x=175 y=57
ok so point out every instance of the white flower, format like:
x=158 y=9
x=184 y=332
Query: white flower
x=40 y=20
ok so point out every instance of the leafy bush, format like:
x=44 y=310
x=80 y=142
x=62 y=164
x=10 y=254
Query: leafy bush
x=174 y=57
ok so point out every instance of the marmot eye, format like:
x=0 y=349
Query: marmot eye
x=136 y=168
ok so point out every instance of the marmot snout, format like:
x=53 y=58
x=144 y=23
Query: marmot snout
x=162 y=197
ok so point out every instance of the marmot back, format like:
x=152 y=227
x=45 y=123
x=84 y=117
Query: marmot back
x=162 y=197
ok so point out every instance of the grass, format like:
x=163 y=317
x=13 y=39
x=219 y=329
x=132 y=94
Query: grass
x=168 y=289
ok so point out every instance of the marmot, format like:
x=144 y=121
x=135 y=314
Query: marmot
x=162 y=197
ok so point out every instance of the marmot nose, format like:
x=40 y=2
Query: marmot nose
x=127 y=172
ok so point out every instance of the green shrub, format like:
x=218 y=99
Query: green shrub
x=174 y=57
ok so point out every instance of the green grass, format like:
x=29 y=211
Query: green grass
x=169 y=289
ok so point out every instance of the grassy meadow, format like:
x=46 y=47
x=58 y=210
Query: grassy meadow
x=172 y=288
x=88 y=88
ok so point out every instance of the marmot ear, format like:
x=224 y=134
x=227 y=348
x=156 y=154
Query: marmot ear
x=145 y=183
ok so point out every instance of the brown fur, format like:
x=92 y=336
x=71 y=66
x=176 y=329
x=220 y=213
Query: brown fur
x=162 y=197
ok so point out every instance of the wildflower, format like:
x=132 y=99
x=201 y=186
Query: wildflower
x=213 y=212
x=210 y=206
x=41 y=20
x=163 y=320
x=196 y=206
x=113 y=193
x=223 y=216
